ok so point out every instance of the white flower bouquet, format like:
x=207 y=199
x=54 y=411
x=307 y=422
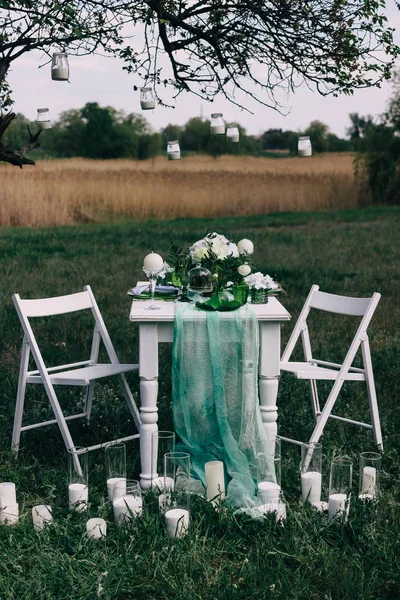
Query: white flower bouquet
x=228 y=263
x=261 y=286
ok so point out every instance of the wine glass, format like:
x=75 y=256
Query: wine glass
x=152 y=275
x=185 y=283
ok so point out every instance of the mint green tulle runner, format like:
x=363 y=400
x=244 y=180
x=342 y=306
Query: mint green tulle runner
x=215 y=396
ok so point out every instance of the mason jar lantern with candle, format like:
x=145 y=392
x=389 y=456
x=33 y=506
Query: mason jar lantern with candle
x=232 y=133
x=217 y=125
x=173 y=150
x=147 y=98
x=304 y=147
x=43 y=118
x=60 y=67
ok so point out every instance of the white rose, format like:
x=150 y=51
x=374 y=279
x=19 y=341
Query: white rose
x=220 y=248
x=270 y=283
x=233 y=249
x=244 y=270
x=198 y=251
x=245 y=246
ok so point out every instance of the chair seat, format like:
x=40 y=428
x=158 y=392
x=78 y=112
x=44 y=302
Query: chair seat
x=305 y=370
x=85 y=375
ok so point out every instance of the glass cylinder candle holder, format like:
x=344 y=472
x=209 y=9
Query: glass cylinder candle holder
x=370 y=475
x=43 y=118
x=232 y=133
x=60 y=67
x=311 y=472
x=269 y=473
x=127 y=500
x=147 y=98
x=217 y=125
x=340 y=483
x=173 y=150
x=177 y=493
x=162 y=442
x=115 y=456
x=78 y=490
x=304 y=146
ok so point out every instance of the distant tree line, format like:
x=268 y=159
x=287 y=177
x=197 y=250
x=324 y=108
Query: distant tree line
x=104 y=133
x=377 y=142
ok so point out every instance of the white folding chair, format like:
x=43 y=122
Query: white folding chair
x=83 y=373
x=314 y=370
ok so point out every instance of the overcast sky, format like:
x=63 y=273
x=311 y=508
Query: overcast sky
x=99 y=79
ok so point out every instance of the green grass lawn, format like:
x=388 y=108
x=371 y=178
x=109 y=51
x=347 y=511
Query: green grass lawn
x=352 y=253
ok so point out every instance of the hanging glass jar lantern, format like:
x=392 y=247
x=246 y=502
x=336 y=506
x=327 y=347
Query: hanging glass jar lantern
x=217 y=123
x=147 y=98
x=232 y=133
x=43 y=118
x=173 y=150
x=304 y=146
x=60 y=67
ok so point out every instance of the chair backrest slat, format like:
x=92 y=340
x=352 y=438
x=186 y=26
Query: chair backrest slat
x=340 y=304
x=47 y=307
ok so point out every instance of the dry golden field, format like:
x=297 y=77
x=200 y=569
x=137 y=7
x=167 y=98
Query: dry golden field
x=69 y=191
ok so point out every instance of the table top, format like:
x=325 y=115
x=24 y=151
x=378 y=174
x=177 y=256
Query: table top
x=272 y=311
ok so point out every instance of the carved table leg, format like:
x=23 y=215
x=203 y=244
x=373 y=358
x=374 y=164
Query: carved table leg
x=148 y=370
x=269 y=375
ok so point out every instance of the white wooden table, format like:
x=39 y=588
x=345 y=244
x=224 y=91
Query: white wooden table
x=157 y=326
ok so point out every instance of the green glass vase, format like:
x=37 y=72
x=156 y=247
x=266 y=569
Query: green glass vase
x=259 y=296
x=240 y=293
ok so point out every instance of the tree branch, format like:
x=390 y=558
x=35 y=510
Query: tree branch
x=17 y=157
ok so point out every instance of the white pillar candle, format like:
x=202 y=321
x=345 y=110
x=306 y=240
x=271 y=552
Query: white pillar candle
x=41 y=515
x=9 y=514
x=147 y=104
x=127 y=507
x=159 y=483
x=8 y=493
x=60 y=74
x=245 y=246
x=175 y=155
x=177 y=522
x=110 y=486
x=78 y=496
x=44 y=124
x=277 y=507
x=336 y=505
x=153 y=262
x=311 y=486
x=369 y=481
x=320 y=506
x=268 y=491
x=217 y=129
x=215 y=480
x=96 y=528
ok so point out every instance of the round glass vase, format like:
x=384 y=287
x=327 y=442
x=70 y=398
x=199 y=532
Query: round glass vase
x=240 y=293
x=259 y=296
